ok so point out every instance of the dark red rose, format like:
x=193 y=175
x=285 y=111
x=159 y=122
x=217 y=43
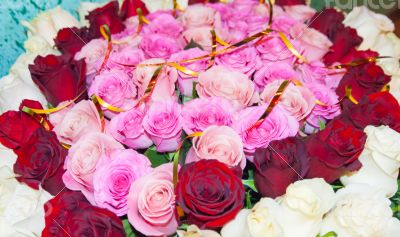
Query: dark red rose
x=329 y=22
x=70 y=214
x=290 y=2
x=40 y=161
x=16 y=127
x=279 y=165
x=345 y=40
x=60 y=78
x=363 y=79
x=376 y=109
x=129 y=7
x=106 y=15
x=71 y=40
x=356 y=55
x=209 y=193
x=335 y=150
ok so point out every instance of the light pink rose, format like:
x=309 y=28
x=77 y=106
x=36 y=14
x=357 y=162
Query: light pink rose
x=220 y=143
x=273 y=71
x=165 y=86
x=329 y=108
x=82 y=159
x=160 y=46
x=56 y=118
x=301 y=13
x=93 y=53
x=314 y=43
x=316 y=72
x=185 y=81
x=200 y=35
x=114 y=176
x=78 y=121
x=151 y=203
x=283 y=23
x=278 y=125
x=127 y=56
x=163 y=123
x=115 y=87
x=219 y=81
x=164 y=24
x=244 y=60
x=127 y=128
x=199 y=114
x=297 y=100
x=198 y=15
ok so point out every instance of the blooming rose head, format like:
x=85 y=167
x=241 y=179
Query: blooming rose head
x=197 y=16
x=163 y=123
x=113 y=178
x=128 y=8
x=301 y=13
x=159 y=46
x=220 y=143
x=93 y=53
x=199 y=114
x=272 y=49
x=280 y=164
x=164 y=24
x=82 y=160
x=71 y=40
x=105 y=15
x=151 y=203
x=202 y=194
x=222 y=82
x=127 y=128
x=316 y=73
x=297 y=100
x=278 y=125
x=283 y=23
x=126 y=56
x=330 y=23
x=244 y=60
x=78 y=121
x=273 y=71
x=200 y=35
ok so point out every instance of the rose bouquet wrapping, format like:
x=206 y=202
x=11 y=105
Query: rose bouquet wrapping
x=185 y=118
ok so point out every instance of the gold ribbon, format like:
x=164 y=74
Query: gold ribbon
x=150 y=86
x=349 y=95
x=106 y=33
x=359 y=62
x=290 y=46
x=183 y=69
x=213 y=47
x=40 y=118
x=95 y=100
x=386 y=88
x=106 y=105
x=142 y=19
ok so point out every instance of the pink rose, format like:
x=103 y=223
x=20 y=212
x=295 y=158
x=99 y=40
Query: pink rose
x=164 y=24
x=165 y=86
x=151 y=203
x=244 y=60
x=297 y=100
x=159 y=46
x=283 y=23
x=56 y=118
x=198 y=15
x=278 y=125
x=273 y=71
x=163 y=123
x=315 y=44
x=330 y=107
x=200 y=35
x=185 y=81
x=220 y=143
x=272 y=49
x=82 y=159
x=115 y=87
x=78 y=121
x=93 y=53
x=316 y=72
x=301 y=13
x=114 y=176
x=127 y=128
x=199 y=114
x=127 y=56
x=219 y=81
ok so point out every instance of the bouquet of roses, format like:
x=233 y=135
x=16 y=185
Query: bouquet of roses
x=234 y=118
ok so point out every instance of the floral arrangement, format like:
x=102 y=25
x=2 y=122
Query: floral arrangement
x=234 y=118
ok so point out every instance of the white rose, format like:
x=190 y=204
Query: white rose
x=194 y=231
x=369 y=25
x=155 y=5
x=86 y=7
x=361 y=211
x=380 y=161
x=395 y=87
x=304 y=205
x=21 y=207
x=388 y=45
x=36 y=44
x=48 y=23
x=13 y=90
x=8 y=157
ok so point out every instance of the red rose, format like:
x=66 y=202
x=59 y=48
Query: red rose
x=290 y=2
x=209 y=193
x=376 y=109
x=60 y=78
x=363 y=79
x=335 y=150
x=70 y=214
x=40 y=161
x=279 y=165
x=129 y=7
x=71 y=40
x=345 y=40
x=355 y=55
x=329 y=22
x=16 y=127
x=106 y=15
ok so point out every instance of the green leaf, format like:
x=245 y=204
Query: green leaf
x=194 y=91
x=157 y=158
x=321 y=124
x=128 y=228
x=329 y=234
x=250 y=183
x=193 y=44
x=249 y=205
